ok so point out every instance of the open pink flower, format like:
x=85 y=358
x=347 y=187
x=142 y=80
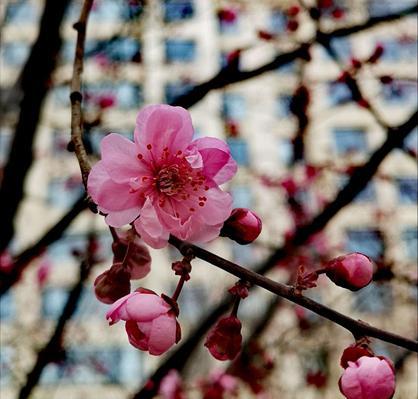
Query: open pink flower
x=164 y=182
x=151 y=323
x=368 y=378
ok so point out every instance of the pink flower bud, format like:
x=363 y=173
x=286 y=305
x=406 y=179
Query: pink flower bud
x=243 y=226
x=368 y=378
x=151 y=323
x=112 y=284
x=353 y=353
x=352 y=271
x=224 y=341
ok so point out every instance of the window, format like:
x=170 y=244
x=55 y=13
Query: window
x=21 y=12
x=408 y=191
x=350 y=140
x=53 y=302
x=400 y=49
x=193 y=301
x=178 y=10
x=228 y=20
x=180 y=50
x=243 y=254
x=7 y=307
x=63 y=249
x=278 y=22
x=368 y=242
x=239 y=151
x=342 y=47
x=409 y=237
x=7 y=364
x=375 y=298
x=285 y=151
x=117 y=49
x=15 y=53
x=233 y=106
x=61 y=96
x=384 y=7
x=339 y=93
x=242 y=196
x=5 y=142
x=84 y=366
x=89 y=306
x=107 y=11
x=400 y=92
x=63 y=192
x=174 y=90
x=283 y=102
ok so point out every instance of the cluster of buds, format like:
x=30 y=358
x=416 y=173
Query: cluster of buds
x=366 y=376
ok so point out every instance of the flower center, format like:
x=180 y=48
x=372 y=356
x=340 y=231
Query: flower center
x=170 y=180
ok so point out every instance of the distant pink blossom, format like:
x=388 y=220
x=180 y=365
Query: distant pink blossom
x=151 y=323
x=43 y=272
x=368 y=378
x=164 y=182
x=171 y=386
x=353 y=271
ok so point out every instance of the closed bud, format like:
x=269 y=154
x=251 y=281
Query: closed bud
x=353 y=353
x=243 y=226
x=112 y=284
x=353 y=271
x=224 y=341
x=368 y=378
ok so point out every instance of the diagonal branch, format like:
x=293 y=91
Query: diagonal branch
x=7 y=279
x=226 y=76
x=355 y=185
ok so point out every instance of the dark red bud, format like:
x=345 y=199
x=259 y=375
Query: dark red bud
x=112 y=284
x=243 y=226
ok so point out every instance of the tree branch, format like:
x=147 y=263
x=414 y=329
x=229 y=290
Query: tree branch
x=35 y=81
x=7 y=279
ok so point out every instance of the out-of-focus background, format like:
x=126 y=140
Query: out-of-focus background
x=141 y=52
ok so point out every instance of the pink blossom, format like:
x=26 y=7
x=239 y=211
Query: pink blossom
x=352 y=271
x=151 y=323
x=164 y=182
x=43 y=272
x=243 y=226
x=368 y=378
x=171 y=386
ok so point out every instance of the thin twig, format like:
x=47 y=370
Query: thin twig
x=76 y=96
x=357 y=328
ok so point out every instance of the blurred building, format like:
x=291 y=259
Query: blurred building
x=137 y=55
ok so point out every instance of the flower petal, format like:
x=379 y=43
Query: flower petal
x=163 y=334
x=136 y=337
x=218 y=162
x=119 y=157
x=145 y=307
x=150 y=228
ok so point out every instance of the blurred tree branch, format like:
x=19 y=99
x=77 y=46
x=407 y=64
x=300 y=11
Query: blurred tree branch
x=35 y=82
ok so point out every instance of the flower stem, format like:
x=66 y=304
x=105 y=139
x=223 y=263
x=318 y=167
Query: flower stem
x=178 y=288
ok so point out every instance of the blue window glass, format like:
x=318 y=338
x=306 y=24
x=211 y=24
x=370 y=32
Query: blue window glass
x=339 y=93
x=83 y=366
x=89 y=306
x=342 y=46
x=400 y=92
x=242 y=197
x=285 y=151
x=22 y=12
x=283 y=105
x=375 y=298
x=239 y=151
x=7 y=307
x=243 y=254
x=107 y=11
x=233 y=106
x=278 y=21
x=350 y=140
x=118 y=49
x=133 y=10
x=409 y=237
x=61 y=95
x=14 y=54
x=368 y=194
x=399 y=49
x=63 y=192
x=193 y=302
x=63 y=249
x=7 y=364
x=180 y=50
x=177 y=10
x=289 y=68
x=53 y=302
x=5 y=142
x=176 y=89
x=365 y=241
x=407 y=190
x=378 y=8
